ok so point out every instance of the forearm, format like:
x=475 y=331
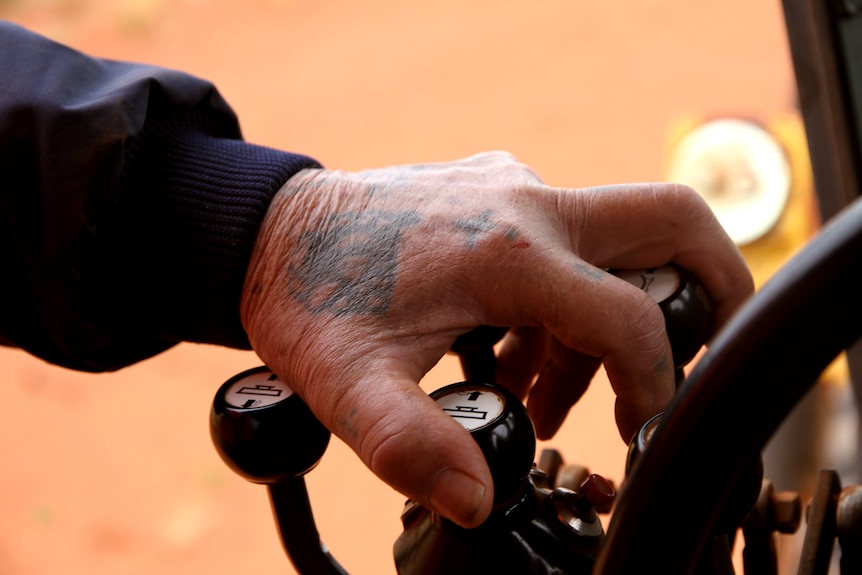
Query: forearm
x=129 y=206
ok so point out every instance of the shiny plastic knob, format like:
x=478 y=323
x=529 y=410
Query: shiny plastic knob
x=499 y=423
x=263 y=430
x=684 y=303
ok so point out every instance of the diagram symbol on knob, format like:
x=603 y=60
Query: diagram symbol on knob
x=256 y=390
x=683 y=302
x=474 y=407
x=661 y=283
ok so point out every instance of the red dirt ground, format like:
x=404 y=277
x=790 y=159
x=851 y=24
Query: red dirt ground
x=115 y=474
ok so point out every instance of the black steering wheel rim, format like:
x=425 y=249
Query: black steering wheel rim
x=752 y=375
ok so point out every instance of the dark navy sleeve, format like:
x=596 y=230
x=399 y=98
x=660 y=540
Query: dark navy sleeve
x=129 y=206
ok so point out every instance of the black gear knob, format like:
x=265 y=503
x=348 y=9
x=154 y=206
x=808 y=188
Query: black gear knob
x=684 y=303
x=499 y=423
x=266 y=434
x=263 y=430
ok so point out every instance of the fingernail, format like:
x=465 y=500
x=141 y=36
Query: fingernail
x=458 y=496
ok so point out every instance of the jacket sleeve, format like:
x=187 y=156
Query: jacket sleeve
x=129 y=205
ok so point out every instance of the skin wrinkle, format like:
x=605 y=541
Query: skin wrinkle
x=382 y=191
x=375 y=441
x=652 y=323
x=340 y=400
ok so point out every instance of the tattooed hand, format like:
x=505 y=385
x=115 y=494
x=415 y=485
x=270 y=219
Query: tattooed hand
x=360 y=282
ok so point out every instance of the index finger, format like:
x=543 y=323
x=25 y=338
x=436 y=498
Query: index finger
x=648 y=225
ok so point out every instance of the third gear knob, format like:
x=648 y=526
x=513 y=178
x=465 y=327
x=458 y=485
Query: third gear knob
x=684 y=303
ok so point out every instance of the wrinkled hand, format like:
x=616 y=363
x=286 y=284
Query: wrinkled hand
x=360 y=282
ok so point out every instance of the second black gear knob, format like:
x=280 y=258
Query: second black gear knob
x=500 y=424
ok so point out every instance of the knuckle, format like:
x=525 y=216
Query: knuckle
x=689 y=205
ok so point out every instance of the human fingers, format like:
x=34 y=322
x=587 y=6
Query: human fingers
x=594 y=314
x=336 y=303
x=407 y=441
x=363 y=386
x=561 y=383
x=648 y=225
x=563 y=375
x=641 y=226
x=522 y=353
x=633 y=347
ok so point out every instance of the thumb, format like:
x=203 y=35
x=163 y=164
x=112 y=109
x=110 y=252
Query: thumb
x=404 y=437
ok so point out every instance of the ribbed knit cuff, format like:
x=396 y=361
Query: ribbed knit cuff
x=185 y=227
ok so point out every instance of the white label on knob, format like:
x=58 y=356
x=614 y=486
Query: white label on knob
x=472 y=407
x=257 y=390
x=660 y=283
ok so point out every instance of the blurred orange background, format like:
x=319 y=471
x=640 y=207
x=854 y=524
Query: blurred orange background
x=115 y=474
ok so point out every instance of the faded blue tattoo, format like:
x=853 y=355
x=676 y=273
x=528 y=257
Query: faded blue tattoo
x=349 y=265
x=591 y=273
x=475 y=227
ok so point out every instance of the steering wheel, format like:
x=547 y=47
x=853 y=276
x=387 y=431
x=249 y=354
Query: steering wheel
x=754 y=372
